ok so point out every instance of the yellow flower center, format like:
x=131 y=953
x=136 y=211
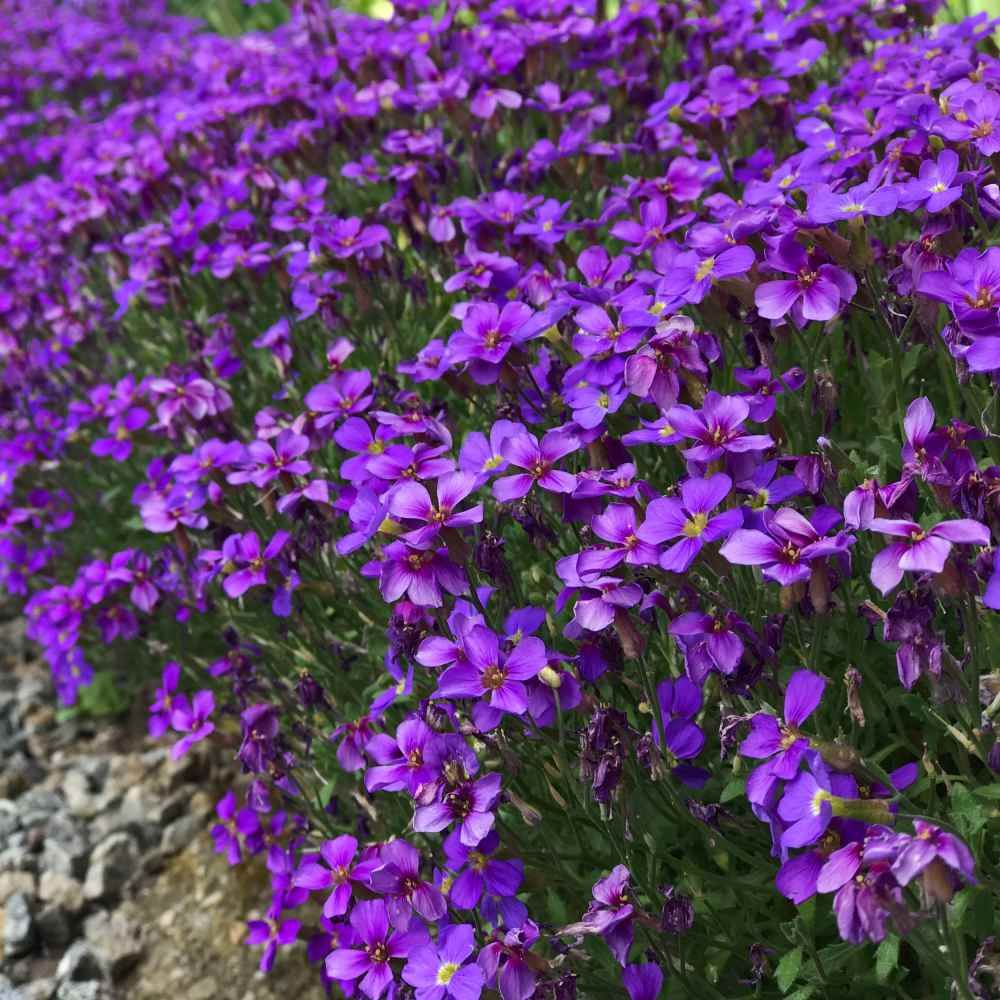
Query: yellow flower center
x=446 y=973
x=694 y=526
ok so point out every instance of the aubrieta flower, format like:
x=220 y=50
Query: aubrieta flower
x=379 y=945
x=440 y=970
x=244 y=563
x=273 y=935
x=470 y=805
x=494 y=675
x=338 y=871
x=690 y=520
x=814 y=293
x=922 y=551
x=717 y=427
x=610 y=913
x=789 y=545
x=191 y=717
x=780 y=742
x=643 y=981
x=412 y=502
x=537 y=459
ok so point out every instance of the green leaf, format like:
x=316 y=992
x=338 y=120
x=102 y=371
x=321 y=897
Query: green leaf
x=733 y=789
x=886 y=957
x=988 y=791
x=968 y=813
x=788 y=969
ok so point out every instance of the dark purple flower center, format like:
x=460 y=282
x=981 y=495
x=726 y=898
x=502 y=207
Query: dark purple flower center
x=377 y=952
x=493 y=677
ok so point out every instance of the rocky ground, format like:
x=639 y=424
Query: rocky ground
x=109 y=885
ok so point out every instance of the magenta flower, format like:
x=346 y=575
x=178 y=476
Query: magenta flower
x=487 y=335
x=421 y=574
x=717 y=427
x=935 y=186
x=412 y=502
x=439 y=971
x=815 y=293
x=340 y=396
x=470 y=805
x=827 y=205
x=691 y=276
x=370 y=921
x=338 y=872
x=272 y=935
x=192 y=719
x=784 y=552
x=921 y=551
x=643 y=982
x=249 y=564
x=491 y=674
x=689 y=519
x=525 y=452
x=159 y=711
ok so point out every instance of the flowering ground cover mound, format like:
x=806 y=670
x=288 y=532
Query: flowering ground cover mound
x=556 y=449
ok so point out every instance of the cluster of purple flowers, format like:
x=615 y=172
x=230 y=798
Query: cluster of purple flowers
x=494 y=409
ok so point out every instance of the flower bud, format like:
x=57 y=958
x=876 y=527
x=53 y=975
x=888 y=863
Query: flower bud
x=550 y=678
x=677 y=917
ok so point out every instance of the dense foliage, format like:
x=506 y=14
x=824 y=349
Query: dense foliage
x=556 y=448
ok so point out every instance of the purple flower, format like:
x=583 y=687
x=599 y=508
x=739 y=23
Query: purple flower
x=370 y=921
x=400 y=761
x=341 y=395
x=789 y=545
x=610 y=913
x=643 y=982
x=691 y=276
x=815 y=293
x=439 y=971
x=689 y=519
x=764 y=388
x=491 y=674
x=506 y=966
x=827 y=205
x=486 y=336
x=971 y=287
x=780 y=741
x=680 y=701
x=339 y=871
x=234 y=824
x=192 y=719
x=806 y=808
x=159 y=711
x=421 y=574
x=399 y=879
x=710 y=642
x=481 y=874
x=470 y=805
x=934 y=187
x=921 y=551
x=943 y=861
x=412 y=502
x=272 y=935
x=717 y=428
x=616 y=525
x=247 y=566
x=525 y=452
